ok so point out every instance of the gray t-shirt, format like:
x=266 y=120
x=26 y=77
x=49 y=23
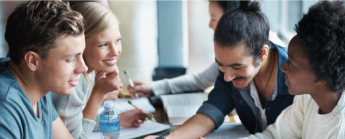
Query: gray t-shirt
x=18 y=119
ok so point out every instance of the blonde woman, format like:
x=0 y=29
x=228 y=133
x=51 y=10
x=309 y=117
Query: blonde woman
x=103 y=48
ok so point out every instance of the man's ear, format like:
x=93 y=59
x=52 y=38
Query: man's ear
x=31 y=59
x=264 y=53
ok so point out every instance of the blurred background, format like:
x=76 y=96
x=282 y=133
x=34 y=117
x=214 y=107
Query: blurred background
x=173 y=34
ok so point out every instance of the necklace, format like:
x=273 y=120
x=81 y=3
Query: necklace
x=274 y=60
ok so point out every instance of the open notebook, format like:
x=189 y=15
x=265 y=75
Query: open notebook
x=147 y=128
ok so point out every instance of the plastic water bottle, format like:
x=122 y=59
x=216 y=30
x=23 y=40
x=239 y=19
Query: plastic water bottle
x=109 y=122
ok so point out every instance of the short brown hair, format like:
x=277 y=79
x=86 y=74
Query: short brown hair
x=35 y=25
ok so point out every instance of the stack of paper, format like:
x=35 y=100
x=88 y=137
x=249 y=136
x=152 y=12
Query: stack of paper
x=147 y=128
x=180 y=107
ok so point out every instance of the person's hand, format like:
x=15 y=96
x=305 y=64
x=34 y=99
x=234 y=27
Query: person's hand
x=201 y=138
x=133 y=118
x=113 y=95
x=142 y=88
x=109 y=83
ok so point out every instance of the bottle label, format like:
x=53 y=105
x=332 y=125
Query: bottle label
x=109 y=125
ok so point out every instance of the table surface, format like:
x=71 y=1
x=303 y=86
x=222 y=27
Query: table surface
x=162 y=117
x=160 y=114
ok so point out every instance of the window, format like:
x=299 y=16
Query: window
x=283 y=15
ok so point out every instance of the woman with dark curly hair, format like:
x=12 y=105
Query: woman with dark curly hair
x=315 y=70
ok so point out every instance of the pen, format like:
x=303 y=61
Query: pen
x=131 y=83
x=147 y=115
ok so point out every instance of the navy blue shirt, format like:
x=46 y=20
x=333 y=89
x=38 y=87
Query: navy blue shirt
x=17 y=117
x=225 y=97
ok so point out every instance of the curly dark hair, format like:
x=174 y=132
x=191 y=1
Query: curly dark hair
x=35 y=25
x=322 y=34
x=247 y=24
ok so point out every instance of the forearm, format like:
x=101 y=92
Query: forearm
x=93 y=104
x=188 y=82
x=197 y=126
x=60 y=130
x=176 y=85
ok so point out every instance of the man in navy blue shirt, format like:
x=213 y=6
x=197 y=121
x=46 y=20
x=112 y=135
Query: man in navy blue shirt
x=250 y=78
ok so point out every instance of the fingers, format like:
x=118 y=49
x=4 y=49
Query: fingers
x=137 y=83
x=135 y=89
x=108 y=83
x=131 y=90
x=112 y=74
x=99 y=76
x=115 y=79
x=120 y=89
x=143 y=116
x=141 y=94
x=136 y=125
x=152 y=115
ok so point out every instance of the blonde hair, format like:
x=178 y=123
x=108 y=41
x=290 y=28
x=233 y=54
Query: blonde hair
x=97 y=17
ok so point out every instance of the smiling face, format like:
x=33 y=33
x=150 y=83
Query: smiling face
x=103 y=50
x=216 y=13
x=300 y=78
x=60 y=70
x=237 y=66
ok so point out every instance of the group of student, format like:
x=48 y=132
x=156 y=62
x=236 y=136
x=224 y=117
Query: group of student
x=62 y=65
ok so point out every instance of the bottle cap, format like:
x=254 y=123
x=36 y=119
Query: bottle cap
x=108 y=104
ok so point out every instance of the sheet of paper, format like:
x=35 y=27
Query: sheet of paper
x=182 y=111
x=121 y=105
x=180 y=107
x=147 y=128
x=229 y=131
x=179 y=114
x=184 y=99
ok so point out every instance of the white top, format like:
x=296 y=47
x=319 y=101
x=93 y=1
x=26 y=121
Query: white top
x=198 y=81
x=302 y=120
